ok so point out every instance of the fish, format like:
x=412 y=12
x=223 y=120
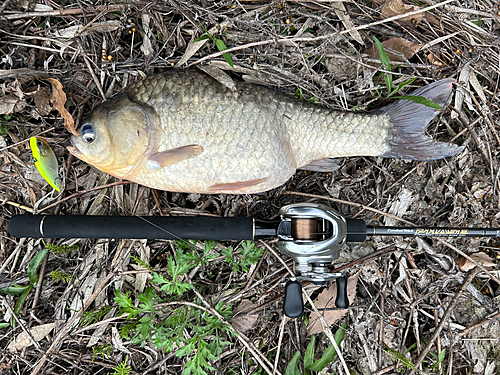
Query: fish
x=183 y=131
x=45 y=161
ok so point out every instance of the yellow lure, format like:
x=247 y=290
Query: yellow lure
x=45 y=161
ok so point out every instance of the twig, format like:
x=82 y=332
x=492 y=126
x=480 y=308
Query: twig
x=479 y=324
x=12 y=255
x=445 y=317
x=280 y=340
x=89 y=67
x=80 y=193
x=4 y=5
x=61 y=12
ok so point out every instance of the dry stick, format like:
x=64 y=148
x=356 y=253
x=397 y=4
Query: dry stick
x=319 y=38
x=80 y=193
x=445 y=317
x=12 y=255
x=89 y=67
x=326 y=329
x=438 y=340
x=479 y=324
x=396 y=218
x=62 y=12
x=280 y=340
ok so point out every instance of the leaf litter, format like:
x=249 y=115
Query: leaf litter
x=321 y=51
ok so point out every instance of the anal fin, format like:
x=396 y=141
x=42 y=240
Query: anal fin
x=321 y=165
x=238 y=186
x=175 y=155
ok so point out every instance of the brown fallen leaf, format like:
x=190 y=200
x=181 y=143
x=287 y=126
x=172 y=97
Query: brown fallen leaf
x=401 y=45
x=326 y=300
x=11 y=97
x=484 y=259
x=393 y=8
x=11 y=104
x=58 y=100
x=243 y=319
x=23 y=340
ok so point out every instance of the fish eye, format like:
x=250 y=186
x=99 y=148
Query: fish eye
x=88 y=133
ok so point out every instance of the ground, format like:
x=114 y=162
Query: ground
x=217 y=307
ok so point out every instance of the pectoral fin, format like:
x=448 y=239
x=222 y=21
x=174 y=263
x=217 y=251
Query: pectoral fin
x=175 y=155
x=241 y=185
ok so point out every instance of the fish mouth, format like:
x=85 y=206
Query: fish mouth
x=73 y=150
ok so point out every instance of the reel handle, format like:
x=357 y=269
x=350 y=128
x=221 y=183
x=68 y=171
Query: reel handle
x=293 y=305
x=342 y=301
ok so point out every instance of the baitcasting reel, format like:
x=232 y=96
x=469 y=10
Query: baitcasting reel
x=312 y=234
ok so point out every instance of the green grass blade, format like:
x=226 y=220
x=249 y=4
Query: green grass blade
x=204 y=37
x=292 y=368
x=222 y=47
x=34 y=264
x=401 y=86
x=419 y=100
x=14 y=289
x=309 y=356
x=20 y=303
x=330 y=353
x=386 y=64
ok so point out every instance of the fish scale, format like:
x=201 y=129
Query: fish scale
x=202 y=137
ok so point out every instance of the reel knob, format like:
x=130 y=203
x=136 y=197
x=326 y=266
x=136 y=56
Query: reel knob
x=293 y=305
x=342 y=301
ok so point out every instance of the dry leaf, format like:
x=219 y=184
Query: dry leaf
x=220 y=76
x=42 y=101
x=23 y=340
x=58 y=100
x=11 y=104
x=342 y=13
x=393 y=8
x=401 y=45
x=465 y=264
x=326 y=300
x=243 y=319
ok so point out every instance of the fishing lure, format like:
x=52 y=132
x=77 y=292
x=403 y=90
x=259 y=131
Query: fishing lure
x=45 y=161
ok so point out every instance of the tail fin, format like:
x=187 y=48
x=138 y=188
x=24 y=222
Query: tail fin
x=409 y=121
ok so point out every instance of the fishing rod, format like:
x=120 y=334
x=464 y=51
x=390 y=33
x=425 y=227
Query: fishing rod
x=311 y=233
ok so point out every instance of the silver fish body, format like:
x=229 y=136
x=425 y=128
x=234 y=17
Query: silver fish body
x=184 y=131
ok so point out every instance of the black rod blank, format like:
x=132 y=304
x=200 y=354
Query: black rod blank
x=432 y=232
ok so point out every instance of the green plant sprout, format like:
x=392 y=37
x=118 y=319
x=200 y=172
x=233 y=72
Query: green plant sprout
x=218 y=43
x=60 y=276
x=386 y=64
x=104 y=351
x=3 y=130
x=122 y=368
x=398 y=357
x=90 y=317
x=300 y=96
x=309 y=362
